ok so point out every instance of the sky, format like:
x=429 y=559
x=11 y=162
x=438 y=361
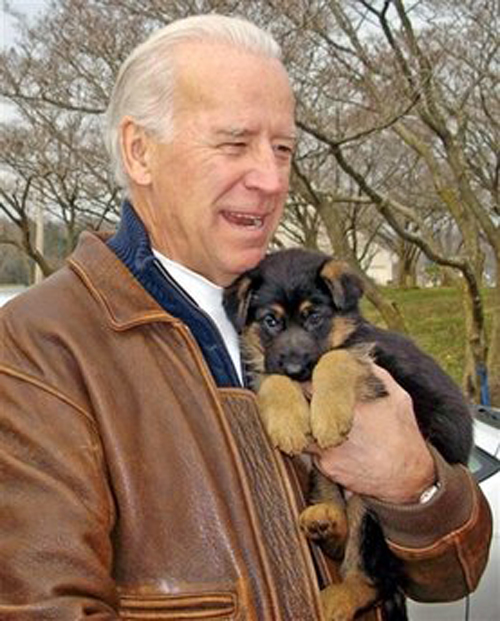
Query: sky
x=8 y=34
x=28 y=7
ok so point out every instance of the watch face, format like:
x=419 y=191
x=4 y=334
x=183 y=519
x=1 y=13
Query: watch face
x=429 y=493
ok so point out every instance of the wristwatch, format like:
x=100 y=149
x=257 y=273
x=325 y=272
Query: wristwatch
x=428 y=493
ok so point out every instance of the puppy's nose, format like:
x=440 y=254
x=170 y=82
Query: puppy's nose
x=297 y=366
x=293 y=368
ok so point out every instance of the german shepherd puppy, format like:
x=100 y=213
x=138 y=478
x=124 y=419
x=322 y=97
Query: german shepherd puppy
x=298 y=317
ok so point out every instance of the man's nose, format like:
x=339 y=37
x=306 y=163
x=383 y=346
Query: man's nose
x=267 y=173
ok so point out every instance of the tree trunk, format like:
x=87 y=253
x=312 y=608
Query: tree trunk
x=494 y=351
x=408 y=255
x=388 y=310
x=475 y=354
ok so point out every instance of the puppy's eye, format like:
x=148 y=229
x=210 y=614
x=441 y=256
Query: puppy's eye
x=271 y=322
x=313 y=320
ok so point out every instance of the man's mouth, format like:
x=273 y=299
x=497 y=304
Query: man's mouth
x=246 y=220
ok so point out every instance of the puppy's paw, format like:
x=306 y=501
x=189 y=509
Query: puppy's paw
x=342 y=601
x=331 y=420
x=337 y=603
x=336 y=381
x=326 y=523
x=285 y=413
x=287 y=431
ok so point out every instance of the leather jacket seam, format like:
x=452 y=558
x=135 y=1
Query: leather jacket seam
x=459 y=547
x=144 y=318
x=454 y=537
x=213 y=390
x=248 y=395
x=219 y=600
x=240 y=392
x=24 y=377
x=52 y=391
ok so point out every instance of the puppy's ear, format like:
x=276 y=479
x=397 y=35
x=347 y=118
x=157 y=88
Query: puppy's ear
x=237 y=296
x=346 y=287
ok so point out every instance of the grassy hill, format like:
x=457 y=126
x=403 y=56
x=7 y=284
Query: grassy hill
x=435 y=321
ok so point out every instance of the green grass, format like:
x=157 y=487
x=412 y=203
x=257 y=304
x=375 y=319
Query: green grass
x=435 y=321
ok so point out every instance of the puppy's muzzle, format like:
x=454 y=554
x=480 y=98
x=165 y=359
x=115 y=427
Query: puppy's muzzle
x=297 y=366
x=294 y=354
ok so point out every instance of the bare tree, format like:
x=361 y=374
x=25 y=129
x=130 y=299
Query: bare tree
x=370 y=74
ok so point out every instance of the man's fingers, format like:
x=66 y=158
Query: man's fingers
x=313 y=449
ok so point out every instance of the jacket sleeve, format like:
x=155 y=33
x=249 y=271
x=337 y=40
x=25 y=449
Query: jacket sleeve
x=56 y=510
x=443 y=543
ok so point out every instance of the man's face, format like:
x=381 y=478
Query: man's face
x=216 y=191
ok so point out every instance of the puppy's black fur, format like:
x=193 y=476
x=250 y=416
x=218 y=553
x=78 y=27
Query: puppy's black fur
x=295 y=307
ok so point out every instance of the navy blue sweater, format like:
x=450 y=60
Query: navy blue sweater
x=132 y=246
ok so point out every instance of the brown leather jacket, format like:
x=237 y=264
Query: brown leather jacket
x=132 y=487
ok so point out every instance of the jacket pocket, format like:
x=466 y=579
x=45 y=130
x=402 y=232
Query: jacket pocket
x=143 y=607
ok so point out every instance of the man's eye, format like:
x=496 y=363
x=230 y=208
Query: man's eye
x=283 y=150
x=234 y=147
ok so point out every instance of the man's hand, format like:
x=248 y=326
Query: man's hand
x=385 y=455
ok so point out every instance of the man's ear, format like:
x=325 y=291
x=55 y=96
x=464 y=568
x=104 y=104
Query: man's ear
x=136 y=148
x=346 y=287
x=237 y=297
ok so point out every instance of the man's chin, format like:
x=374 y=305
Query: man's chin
x=246 y=259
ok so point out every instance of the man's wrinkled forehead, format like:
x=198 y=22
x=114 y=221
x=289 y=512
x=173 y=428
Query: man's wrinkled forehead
x=202 y=69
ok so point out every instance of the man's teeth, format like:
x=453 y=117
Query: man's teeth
x=245 y=220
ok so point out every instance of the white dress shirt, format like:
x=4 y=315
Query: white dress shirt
x=208 y=296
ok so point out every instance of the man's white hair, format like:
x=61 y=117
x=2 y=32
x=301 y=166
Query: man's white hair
x=145 y=84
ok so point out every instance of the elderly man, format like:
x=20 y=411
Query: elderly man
x=136 y=479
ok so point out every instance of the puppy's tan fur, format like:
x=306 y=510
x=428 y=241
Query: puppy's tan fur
x=340 y=379
x=309 y=353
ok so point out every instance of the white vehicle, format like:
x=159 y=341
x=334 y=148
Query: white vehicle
x=7 y=293
x=484 y=603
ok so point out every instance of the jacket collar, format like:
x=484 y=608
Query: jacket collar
x=122 y=270
x=124 y=302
